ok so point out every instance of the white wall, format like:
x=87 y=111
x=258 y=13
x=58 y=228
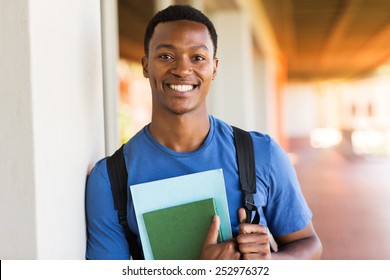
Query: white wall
x=54 y=122
x=330 y=104
x=360 y=94
x=17 y=204
x=301 y=109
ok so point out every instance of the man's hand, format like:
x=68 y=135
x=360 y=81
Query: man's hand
x=253 y=240
x=211 y=250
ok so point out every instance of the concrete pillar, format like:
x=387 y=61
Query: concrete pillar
x=232 y=94
x=264 y=95
x=110 y=50
x=162 y=4
x=18 y=232
x=51 y=124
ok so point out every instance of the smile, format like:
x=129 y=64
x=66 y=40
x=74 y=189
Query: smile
x=181 y=88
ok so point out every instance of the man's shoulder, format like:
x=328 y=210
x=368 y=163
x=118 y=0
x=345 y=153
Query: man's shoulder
x=137 y=139
x=261 y=138
x=99 y=171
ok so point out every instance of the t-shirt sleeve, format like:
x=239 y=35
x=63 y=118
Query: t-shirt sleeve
x=287 y=210
x=105 y=236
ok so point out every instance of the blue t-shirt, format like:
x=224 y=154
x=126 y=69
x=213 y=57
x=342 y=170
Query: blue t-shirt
x=281 y=205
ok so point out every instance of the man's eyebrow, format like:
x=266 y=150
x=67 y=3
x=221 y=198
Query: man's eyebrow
x=172 y=47
x=165 y=46
x=197 y=47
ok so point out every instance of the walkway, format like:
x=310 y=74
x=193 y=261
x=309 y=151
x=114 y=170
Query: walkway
x=350 y=200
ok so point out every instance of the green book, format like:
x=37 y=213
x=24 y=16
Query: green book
x=178 y=232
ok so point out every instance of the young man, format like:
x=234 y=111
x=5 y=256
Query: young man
x=182 y=138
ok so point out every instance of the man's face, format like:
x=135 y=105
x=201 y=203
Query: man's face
x=180 y=67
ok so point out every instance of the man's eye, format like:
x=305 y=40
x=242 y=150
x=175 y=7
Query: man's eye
x=166 y=56
x=199 y=58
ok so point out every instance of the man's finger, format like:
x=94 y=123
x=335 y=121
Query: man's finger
x=212 y=235
x=242 y=215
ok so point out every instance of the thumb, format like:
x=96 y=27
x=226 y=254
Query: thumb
x=242 y=215
x=212 y=235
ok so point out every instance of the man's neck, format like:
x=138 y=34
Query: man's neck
x=181 y=133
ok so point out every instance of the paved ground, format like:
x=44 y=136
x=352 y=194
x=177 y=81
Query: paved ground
x=350 y=200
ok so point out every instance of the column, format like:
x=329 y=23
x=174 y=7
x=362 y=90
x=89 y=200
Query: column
x=232 y=94
x=51 y=125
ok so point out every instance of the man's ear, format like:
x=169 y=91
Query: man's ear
x=215 y=67
x=145 y=64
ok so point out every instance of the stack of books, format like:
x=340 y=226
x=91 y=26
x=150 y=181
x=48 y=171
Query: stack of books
x=174 y=215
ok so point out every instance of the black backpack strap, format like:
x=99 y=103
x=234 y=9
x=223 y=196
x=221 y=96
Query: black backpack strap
x=117 y=172
x=246 y=172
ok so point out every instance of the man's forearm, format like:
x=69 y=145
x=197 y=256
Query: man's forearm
x=304 y=249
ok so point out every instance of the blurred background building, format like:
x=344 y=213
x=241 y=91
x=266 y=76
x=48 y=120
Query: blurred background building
x=315 y=75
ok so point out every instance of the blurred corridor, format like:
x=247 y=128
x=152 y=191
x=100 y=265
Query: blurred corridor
x=350 y=200
x=324 y=97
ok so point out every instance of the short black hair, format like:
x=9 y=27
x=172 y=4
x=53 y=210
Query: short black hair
x=179 y=12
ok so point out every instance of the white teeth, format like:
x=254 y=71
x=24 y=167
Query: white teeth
x=181 y=88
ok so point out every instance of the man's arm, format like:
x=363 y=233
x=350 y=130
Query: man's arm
x=303 y=244
x=253 y=242
x=106 y=239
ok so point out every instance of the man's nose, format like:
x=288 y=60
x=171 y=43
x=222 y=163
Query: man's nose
x=182 y=67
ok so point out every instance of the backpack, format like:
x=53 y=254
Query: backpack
x=246 y=170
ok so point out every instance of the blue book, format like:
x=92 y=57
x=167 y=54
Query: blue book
x=161 y=194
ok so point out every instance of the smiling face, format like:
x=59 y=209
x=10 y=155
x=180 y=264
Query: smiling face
x=180 y=67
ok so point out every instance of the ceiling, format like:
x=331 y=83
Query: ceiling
x=331 y=38
x=319 y=39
